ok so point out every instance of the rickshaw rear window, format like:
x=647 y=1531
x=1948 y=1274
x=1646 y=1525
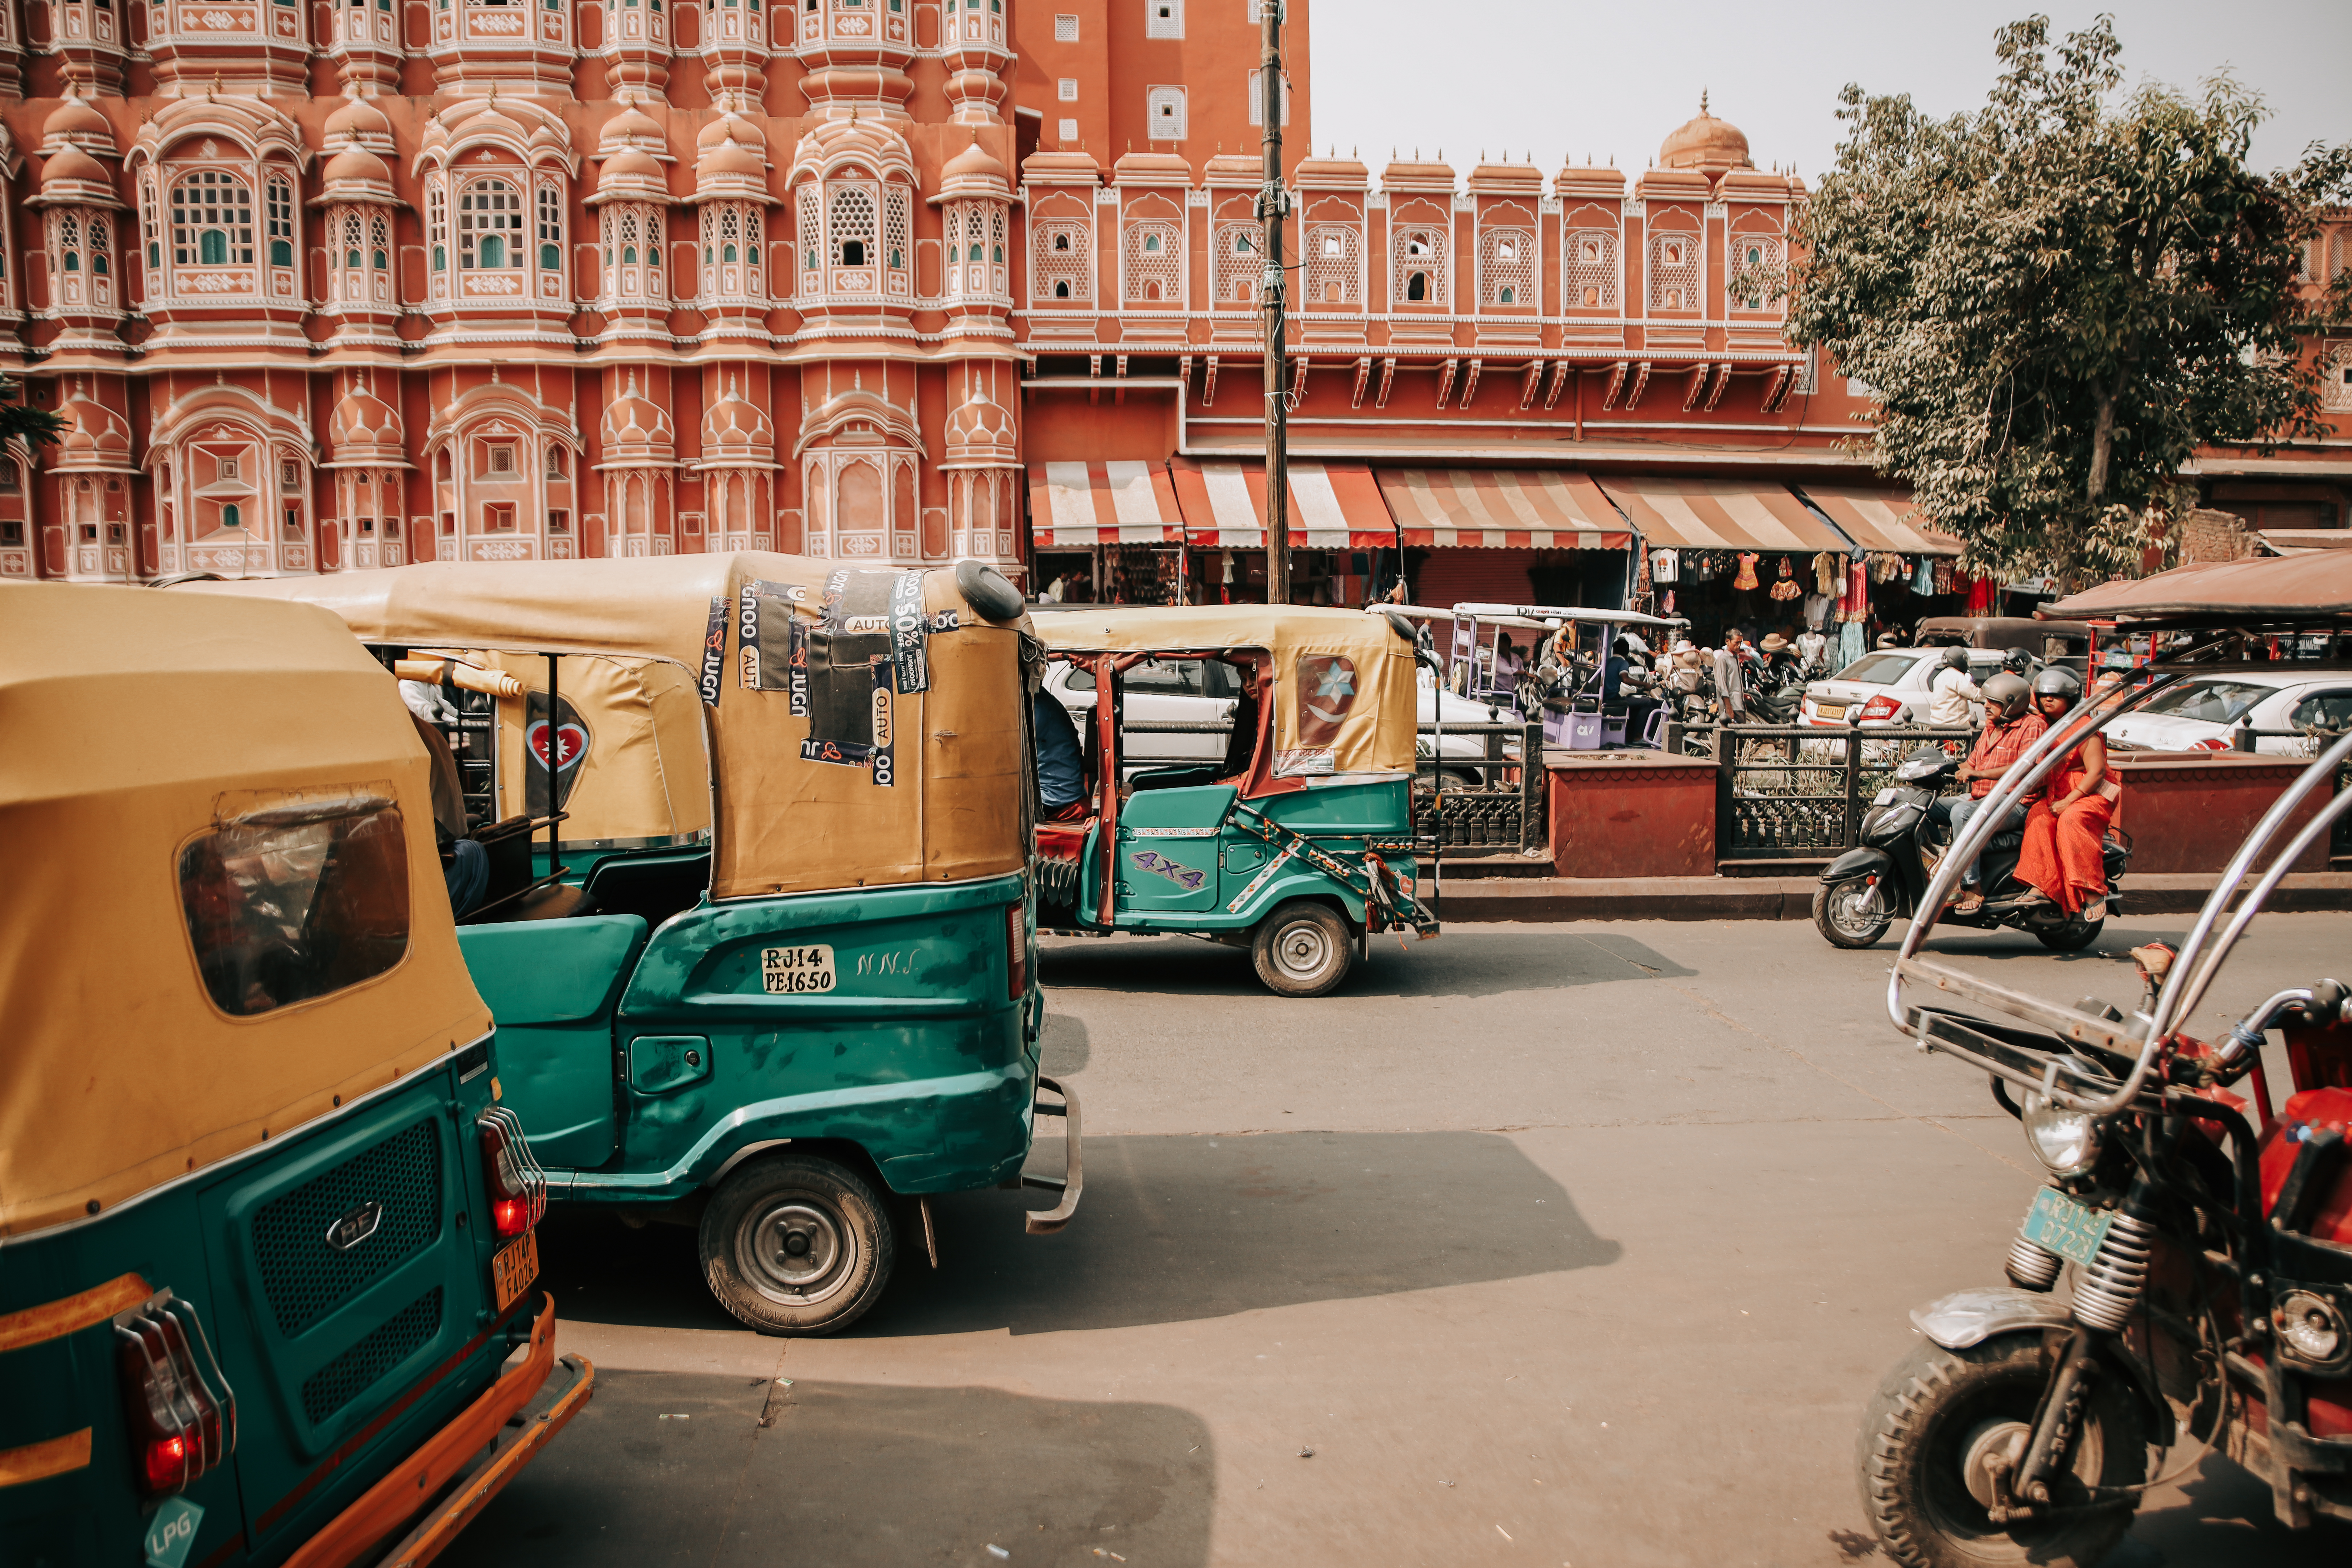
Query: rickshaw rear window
x=297 y=902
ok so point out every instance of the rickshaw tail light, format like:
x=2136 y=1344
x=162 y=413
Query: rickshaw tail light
x=517 y=1184
x=1017 y=954
x=176 y=1420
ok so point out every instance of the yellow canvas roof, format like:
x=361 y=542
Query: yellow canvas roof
x=135 y=723
x=1319 y=727
x=786 y=823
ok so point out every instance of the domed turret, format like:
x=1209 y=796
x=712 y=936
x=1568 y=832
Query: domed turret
x=632 y=173
x=74 y=177
x=637 y=429
x=365 y=428
x=73 y=123
x=356 y=174
x=979 y=433
x=1711 y=146
x=362 y=123
x=633 y=127
x=96 y=439
x=734 y=430
x=729 y=168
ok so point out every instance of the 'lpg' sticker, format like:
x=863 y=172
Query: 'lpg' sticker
x=173 y=1532
x=1188 y=877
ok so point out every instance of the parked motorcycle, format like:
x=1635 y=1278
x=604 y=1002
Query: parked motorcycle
x=1775 y=696
x=1867 y=889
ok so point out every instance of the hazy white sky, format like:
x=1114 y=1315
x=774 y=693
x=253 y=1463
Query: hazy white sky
x=1613 y=77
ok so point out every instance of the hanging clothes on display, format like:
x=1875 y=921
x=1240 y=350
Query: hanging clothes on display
x=1784 y=587
x=1923 y=577
x=1665 y=567
x=1817 y=611
x=1943 y=576
x=1856 y=608
x=1829 y=574
x=1849 y=643
x=1982 y=593
x=1746 y=582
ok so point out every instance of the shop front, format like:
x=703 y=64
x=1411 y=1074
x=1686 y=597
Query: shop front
x=1342 y=540
x=1910 y=570
x=1106 y=532
x=1724 y=554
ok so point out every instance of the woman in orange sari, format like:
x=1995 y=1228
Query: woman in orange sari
x=2063 y=857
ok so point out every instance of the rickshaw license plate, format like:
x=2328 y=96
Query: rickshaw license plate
x=796 y=971
x=2056 y=1223
x=513 y=1269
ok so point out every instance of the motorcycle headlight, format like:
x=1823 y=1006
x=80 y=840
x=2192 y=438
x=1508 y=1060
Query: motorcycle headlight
x=2310 y=1326
x=2065 y=1141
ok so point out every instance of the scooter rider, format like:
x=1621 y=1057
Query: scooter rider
x=2010 y=729
x=1955 y=696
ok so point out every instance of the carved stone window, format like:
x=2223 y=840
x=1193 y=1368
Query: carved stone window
x=1333 y=253
x=489 y=226
x=211 y=220
x=1673 y=271
x=1589 y=270
x=1238 y=263
x=1154 y=264
x=1420 y=277
x=1062 y=262
x=1506 y=267
x=1753 y=257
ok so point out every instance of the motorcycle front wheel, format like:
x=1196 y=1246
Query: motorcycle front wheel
x=1838 y=914
x=1937 y=1419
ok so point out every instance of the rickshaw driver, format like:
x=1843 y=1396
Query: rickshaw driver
x=1061 y=761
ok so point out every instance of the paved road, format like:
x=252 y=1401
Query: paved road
x=1574 y=1244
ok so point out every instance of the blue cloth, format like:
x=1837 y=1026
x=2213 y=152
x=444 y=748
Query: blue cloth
x=1060 y=761
x=1613 y=674
x=468 y=876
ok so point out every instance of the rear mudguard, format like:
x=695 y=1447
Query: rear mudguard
x=1968 y=1318
x=1869 y=862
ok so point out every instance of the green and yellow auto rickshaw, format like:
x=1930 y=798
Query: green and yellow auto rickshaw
x=266 y=1246
x=1298 y=842
x=759 y=931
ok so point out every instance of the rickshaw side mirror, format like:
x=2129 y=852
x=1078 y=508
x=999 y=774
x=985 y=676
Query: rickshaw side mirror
x=987 y=591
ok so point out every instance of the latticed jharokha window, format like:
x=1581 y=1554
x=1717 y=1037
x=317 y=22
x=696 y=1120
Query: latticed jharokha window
x=1507 y=266
x=1753 y=258
x=1674 y=272
x=1332 y=252
x=211 y=220
x=1589 y=270
x=1061 y=261
x=1237 y=262
x=437 y=224
x=550 y=228
x=282 y=223
x=853 y=227
x=489 y=226
x=811 y=243
x=1420 y=275
x=1152 y=263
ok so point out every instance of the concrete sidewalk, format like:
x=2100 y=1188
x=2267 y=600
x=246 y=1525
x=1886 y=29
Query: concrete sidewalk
x=1520 y=898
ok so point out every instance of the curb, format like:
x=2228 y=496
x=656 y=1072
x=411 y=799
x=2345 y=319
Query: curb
x=1563 y=899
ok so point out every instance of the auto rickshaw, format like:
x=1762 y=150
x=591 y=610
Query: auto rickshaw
x=1298 y=843
x=268 y=1260
x=759 y=929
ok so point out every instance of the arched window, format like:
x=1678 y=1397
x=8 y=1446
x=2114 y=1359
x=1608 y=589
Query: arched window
x=282 y=223
x=231 y=517
x=436 y=224
x=489 y=226
x=97 y=249
x=1061 y=242
x=211 y=220
x=852 y=224
x=551 y=227
x=1150 y=244
x=1416 y=286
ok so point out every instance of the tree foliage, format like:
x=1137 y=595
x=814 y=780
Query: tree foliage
x=2059 y=297
x=20 y=420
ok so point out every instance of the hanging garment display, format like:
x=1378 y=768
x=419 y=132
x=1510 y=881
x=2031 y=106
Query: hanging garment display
x=1828 y=573
x=1982 y=593
x=1746 y=581
x=1817 y=610
x=1856 y=608
x=1641 y=579
x=1849 y=643
x=1943 y=576
x=1784 y=587
x=1664 y=566
x=1923 y=578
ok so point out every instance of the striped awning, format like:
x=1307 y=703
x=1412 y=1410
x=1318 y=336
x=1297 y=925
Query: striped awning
x=1082 y=504
x=1502 y=509
x=1720 y=514
x=1333 y=506
x=1877 y=518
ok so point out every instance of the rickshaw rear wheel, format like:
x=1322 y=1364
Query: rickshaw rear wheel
x=1302 y=949
x=796 y=1243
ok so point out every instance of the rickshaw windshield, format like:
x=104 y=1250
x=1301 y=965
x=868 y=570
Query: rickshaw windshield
x=223 y=914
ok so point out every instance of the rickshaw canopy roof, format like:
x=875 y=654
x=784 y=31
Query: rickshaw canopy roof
x=786 y=823
x=2308 y=588
x=137 y=722
x=1374 y=730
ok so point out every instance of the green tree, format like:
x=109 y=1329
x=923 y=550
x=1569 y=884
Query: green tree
x=20 y=420
x=2059 y=297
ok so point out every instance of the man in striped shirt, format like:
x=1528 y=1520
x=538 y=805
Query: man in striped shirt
x=2011 y=726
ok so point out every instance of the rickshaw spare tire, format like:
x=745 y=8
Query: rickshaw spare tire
x=990 y=594
x=1303 y=949
x=797 y=1245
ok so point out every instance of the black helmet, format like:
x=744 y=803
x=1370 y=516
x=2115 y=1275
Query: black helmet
x=2057 y=680
x=2006 y=695
x=1955 y=658
x=2017 y=661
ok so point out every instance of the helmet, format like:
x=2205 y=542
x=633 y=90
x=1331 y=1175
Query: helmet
x=2007 y=694
x=1955 y=658
x=2057 y=680
x=2017 y=661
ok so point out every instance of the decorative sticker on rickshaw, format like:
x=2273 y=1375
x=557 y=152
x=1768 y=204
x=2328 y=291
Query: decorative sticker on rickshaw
x=851 y=672
x=910 y=632
x=571 y=742
x=764 y=640
x=886 y=766
x=1189 y=878
x=714 y=650
x=1261 y=879
x=836 y=584
x=800 y=669
x=1327 y=695
x=847 y=753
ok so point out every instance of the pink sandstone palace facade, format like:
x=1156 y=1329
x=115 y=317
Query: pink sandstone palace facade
x=333 y=287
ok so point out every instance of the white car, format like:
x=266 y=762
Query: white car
x=2204 y=713
x=1203 y=691
x=1889 y=686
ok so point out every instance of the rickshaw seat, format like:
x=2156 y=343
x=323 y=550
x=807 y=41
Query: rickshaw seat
x=556 y=902
x=508 y=843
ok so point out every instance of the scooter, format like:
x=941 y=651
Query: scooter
x=1867 y=889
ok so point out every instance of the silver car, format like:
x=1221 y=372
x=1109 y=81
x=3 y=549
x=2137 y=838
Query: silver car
x=1891 y=686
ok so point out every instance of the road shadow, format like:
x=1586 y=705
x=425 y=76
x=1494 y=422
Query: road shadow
x=672 y=1467
x=2227 y=1518
x=1170 y=1229
x=1064 y=1047
x=1465 y=962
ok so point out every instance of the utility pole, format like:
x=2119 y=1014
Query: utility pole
x=1272 y=203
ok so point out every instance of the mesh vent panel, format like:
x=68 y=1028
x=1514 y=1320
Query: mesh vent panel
x=347 y=1376
x=303 y=1276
